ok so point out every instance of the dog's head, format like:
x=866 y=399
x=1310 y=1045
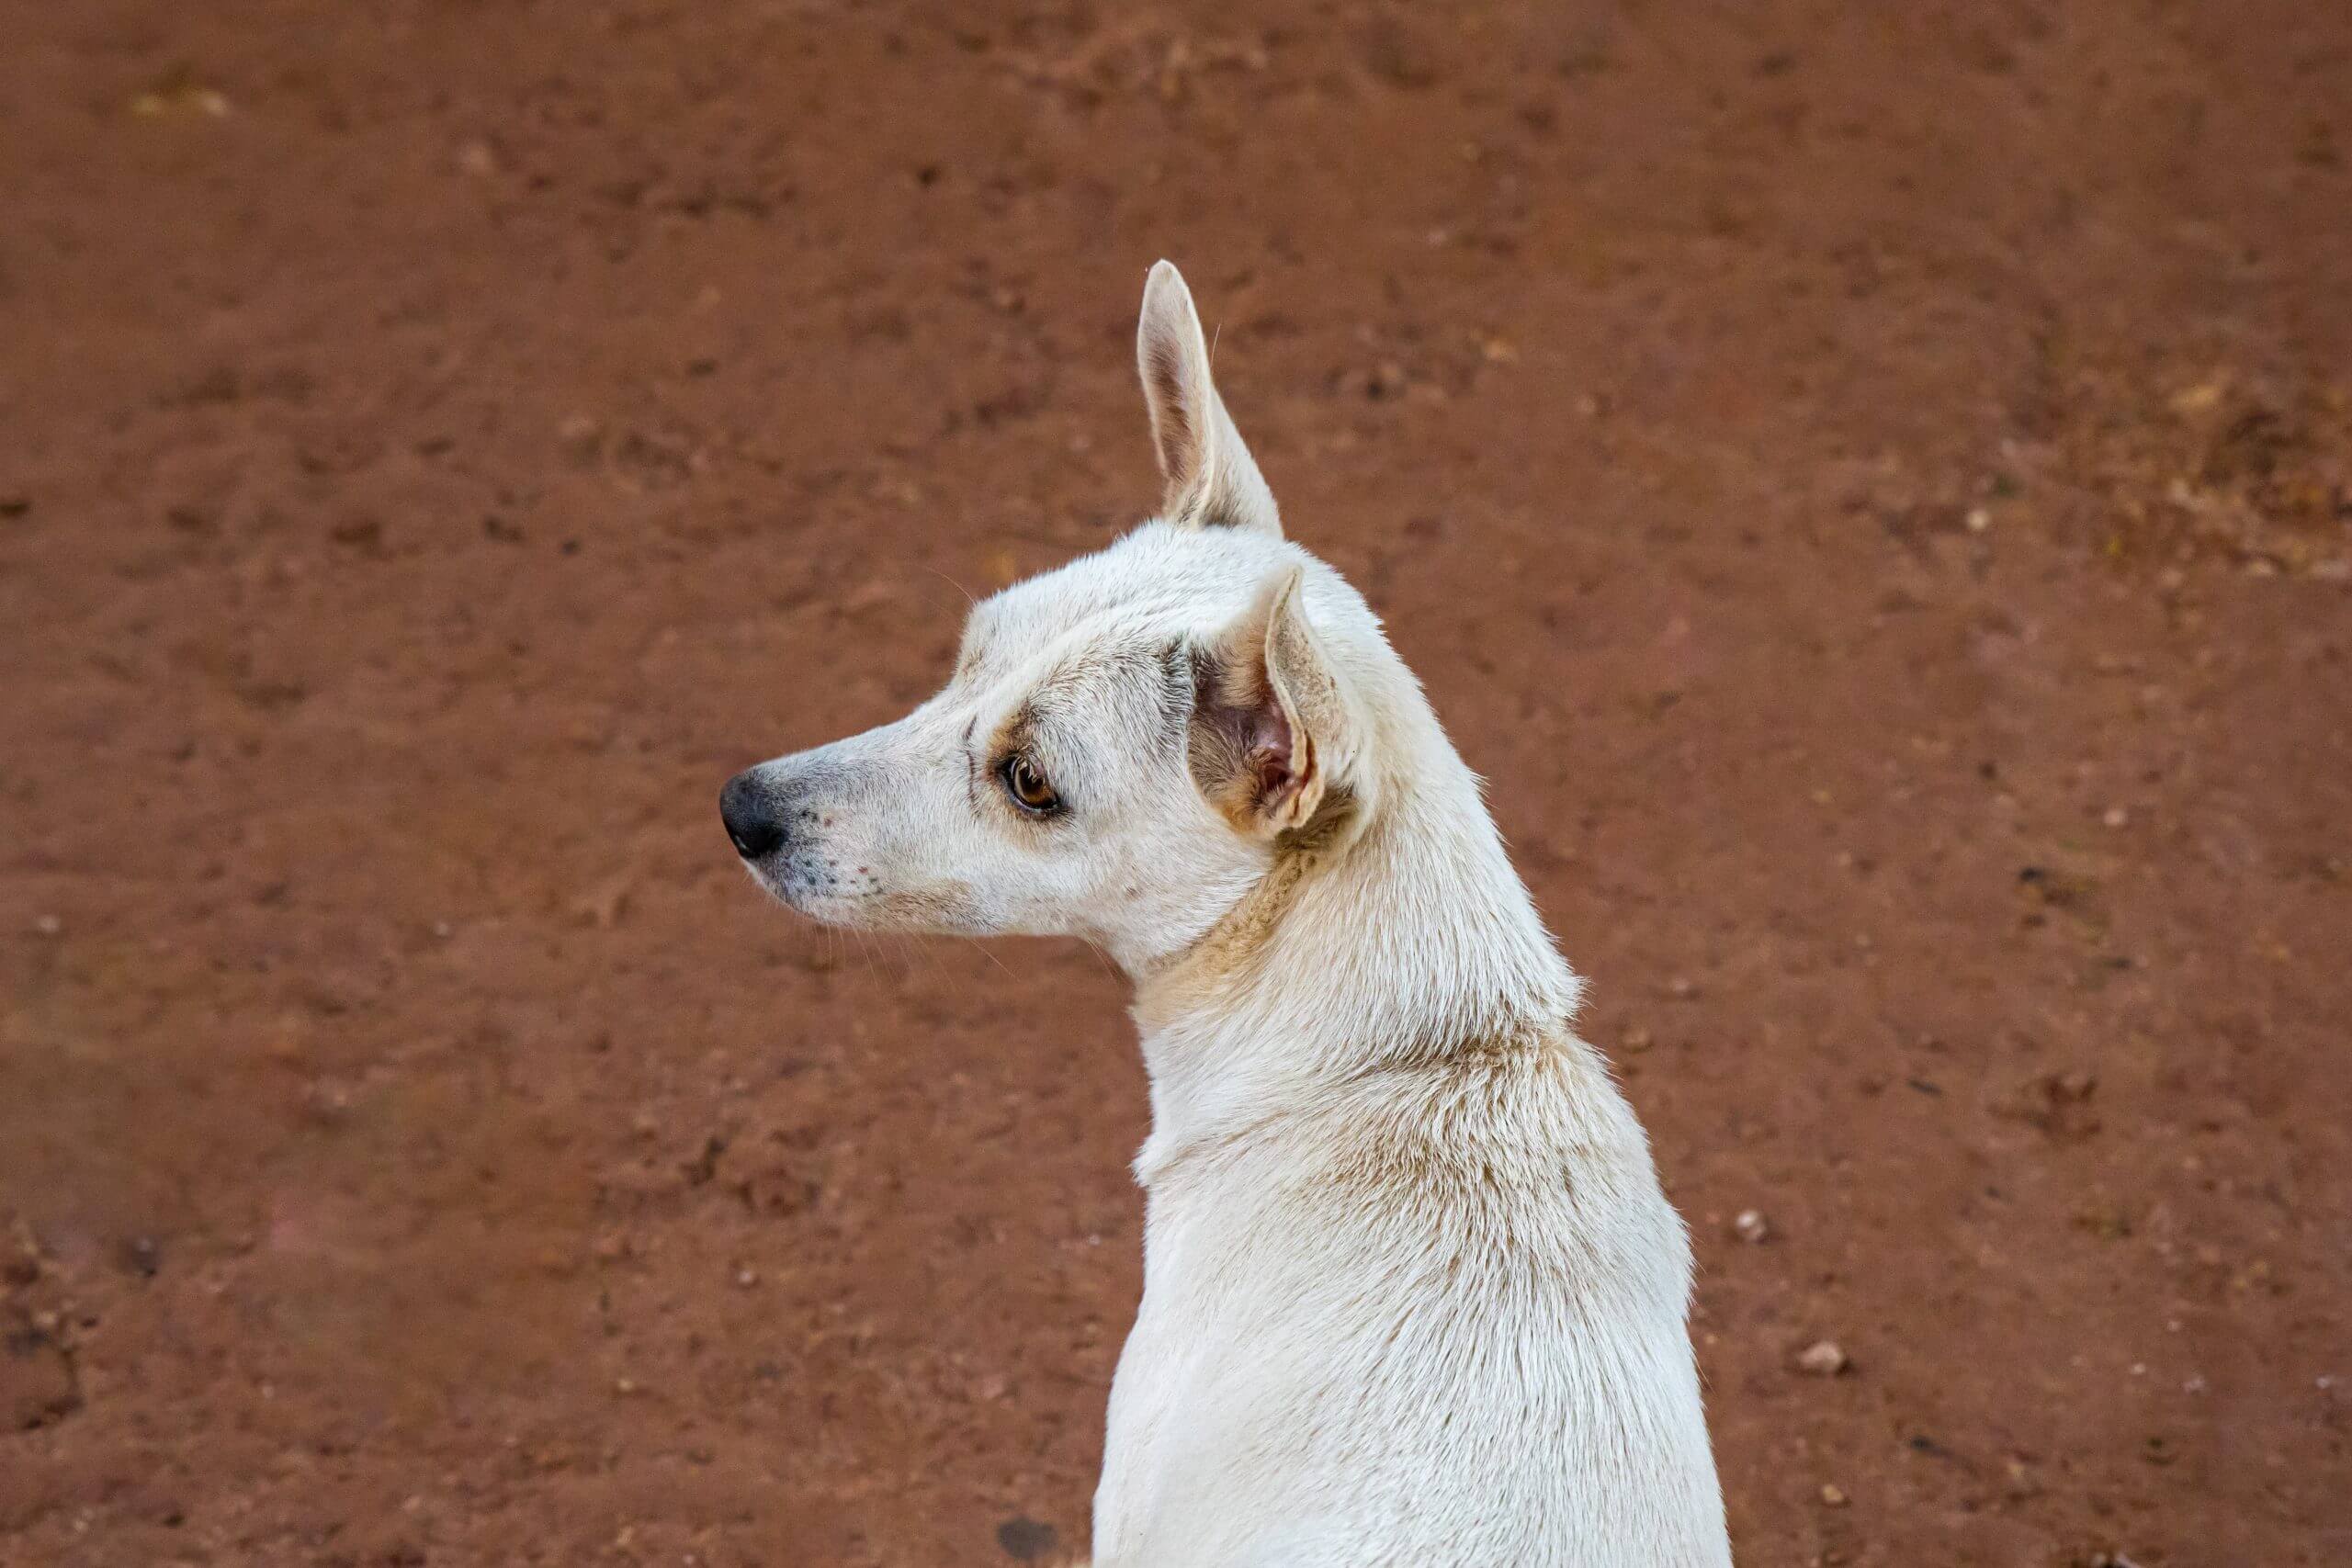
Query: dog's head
x=1127 y=743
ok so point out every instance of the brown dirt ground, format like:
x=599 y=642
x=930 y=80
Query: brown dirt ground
x=1869 y=487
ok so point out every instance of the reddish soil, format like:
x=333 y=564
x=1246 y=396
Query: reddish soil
x=1870 y=490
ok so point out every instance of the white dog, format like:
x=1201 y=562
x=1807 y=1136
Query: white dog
x=1411 y=1292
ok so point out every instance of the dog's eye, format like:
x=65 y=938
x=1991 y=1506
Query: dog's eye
x=1028 y=786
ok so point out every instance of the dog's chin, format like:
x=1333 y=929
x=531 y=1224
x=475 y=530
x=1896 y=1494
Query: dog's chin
x=796 y=894
x=923 y=912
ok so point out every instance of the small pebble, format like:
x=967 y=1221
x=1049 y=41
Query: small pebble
x=1638 y=1040
x=1978 y=520
x=1823 y=1358
x=49 y=925
x=1832 y=1495
x=2116 y=816
x=747 y=1278
x=1750 y=1226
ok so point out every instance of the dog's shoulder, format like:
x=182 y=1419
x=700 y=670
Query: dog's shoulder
x=1499 y=1161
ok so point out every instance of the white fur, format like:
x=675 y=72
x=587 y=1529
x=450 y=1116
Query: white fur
x=1412 y=1293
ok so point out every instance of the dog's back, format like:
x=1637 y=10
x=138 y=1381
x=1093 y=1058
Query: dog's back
x=1438 y=1319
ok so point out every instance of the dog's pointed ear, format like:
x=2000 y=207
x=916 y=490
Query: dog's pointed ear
x=1211 y=479
x=1274 y=741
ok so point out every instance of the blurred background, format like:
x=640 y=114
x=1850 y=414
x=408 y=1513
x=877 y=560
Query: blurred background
x=1868 y=485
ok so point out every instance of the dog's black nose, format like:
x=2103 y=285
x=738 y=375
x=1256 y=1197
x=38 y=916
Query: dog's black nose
x=753 y=823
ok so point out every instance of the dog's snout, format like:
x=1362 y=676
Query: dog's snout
x=755 y=821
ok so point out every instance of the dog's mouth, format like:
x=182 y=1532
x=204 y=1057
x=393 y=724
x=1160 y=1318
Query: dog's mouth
x=858 y=900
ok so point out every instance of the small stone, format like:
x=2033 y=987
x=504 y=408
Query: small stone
x=1026 y=1540
x=1683 y=988
x=1636 y=1041
x=1750 y=1226
x=1978 y=520
x=1832 y=1495
x=747 y=1278
x=49 y=925
x=2116 y=816
x=1823 y=1358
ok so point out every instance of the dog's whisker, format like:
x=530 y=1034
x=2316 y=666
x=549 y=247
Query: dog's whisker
x=1100 y=956
x=989 y=953
x=955 y=978
x=959 y=588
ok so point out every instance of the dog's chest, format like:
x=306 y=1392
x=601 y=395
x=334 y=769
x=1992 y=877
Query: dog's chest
x=1208 y=1387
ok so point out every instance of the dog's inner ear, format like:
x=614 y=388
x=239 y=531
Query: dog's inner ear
x=1269 y=732
x=1211 y=479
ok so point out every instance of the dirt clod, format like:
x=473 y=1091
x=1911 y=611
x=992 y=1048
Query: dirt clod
x=1026 y=1540
x=1822 y=1358
x=38 y=1380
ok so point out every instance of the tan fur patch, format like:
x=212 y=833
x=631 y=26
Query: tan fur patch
x=942 y=907
x=1430 y=1153
x=1235 y=947
x=1014 y=734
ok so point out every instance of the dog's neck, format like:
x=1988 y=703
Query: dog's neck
x=1399 y=940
